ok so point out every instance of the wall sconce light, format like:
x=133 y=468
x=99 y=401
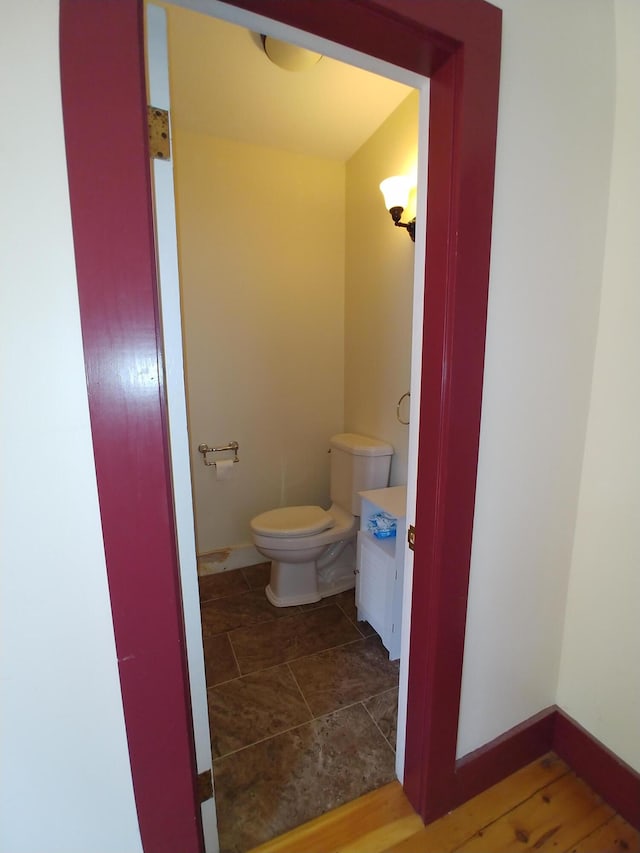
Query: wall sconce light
x=396 y=195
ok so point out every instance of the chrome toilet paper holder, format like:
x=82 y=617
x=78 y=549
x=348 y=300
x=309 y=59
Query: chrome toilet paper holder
x=225 y=448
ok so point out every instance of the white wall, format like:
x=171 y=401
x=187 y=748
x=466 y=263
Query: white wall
x=551 y=195
x=261 y=246
x=379 y=287
x=65 y=783
x=599 y=674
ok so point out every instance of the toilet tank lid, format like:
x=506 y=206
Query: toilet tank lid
x=292 y=521
x=361 y=445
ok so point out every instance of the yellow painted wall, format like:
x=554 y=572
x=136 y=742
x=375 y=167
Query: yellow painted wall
x=261 y=247
x=379 y=287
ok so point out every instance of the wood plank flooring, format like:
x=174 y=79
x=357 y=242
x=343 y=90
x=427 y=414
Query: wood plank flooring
x=543 y=807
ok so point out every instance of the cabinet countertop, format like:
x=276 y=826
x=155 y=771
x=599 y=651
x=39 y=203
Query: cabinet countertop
x=392 y=500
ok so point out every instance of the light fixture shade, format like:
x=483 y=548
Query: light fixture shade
x=396 y=191
x=289 y=56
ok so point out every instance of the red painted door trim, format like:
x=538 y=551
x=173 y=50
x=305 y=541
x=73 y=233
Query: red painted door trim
x=458 y=46
x=103 y=89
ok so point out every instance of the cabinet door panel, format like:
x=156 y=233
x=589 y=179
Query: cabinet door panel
x=372 y=582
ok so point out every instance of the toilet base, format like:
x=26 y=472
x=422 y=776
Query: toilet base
x=291 y=584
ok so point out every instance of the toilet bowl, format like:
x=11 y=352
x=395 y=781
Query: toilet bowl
x=312 y=550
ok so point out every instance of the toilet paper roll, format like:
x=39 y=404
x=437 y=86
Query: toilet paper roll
x=224 y=469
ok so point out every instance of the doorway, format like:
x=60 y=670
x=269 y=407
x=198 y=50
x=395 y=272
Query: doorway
x=262 y=237
x=119 y=319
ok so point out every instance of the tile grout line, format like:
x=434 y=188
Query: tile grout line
x=349 y=704
x=354 y=622
x=267 y=669
x=235 y=594
x=347 y=615
x=283 y=619
x=288 y=664
x=229 y=594
x=313 y=716
x=264 y=739
x=386 y=739
x=283 y=662
x=243 y=675
x=292 y=729
x=296 y=611
x=358 y=639
x=302 y=657
x=272 y=618
x=304 y=698
x=380 y=693
x=235 y=658
x=266 y=620
x=242 y=572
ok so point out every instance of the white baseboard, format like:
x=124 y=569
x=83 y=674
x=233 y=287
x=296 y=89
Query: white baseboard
x=226 y=559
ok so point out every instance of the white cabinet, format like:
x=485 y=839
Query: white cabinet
x=380 y=566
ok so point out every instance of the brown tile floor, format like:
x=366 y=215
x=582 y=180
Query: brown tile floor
x=302 y=706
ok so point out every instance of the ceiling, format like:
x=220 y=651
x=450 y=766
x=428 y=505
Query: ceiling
x=223 y=84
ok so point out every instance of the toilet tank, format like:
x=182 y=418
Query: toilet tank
x=357 y=463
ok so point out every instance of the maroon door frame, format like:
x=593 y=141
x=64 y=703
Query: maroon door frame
x=457 y=45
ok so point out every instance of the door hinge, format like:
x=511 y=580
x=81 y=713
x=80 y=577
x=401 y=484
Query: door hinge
x=411 y=537
x=205 y=786
x=158 y=125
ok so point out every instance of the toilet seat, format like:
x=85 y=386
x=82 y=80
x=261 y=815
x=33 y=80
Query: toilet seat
x=343 y=526
x=292 y=522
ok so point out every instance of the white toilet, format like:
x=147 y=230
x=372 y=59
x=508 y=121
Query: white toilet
x=312 y=550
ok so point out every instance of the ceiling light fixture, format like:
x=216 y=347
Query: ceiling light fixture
x=396 y=196
x=289 y=56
